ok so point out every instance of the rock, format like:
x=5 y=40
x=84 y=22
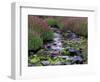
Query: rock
x=68 y=31
x=71 y=36
x=45 y=63
x=72 y=51
x=67 y=63
x=58 y=31
x=56 y=35
x=65 y=57
x=48 y=46
x=57 y=48
x=77 y=60
x=58 y=63
x=54 y=53
x=57 y=39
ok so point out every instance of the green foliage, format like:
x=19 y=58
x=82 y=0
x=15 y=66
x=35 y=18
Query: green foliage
x=52 y=22
x=54 y=60
x=80 y=43
x=34 y=42
x=40 y=34
x=61 y=26
x=65 y=52
x=55 y=22
x=47 y=35
x=34 y=59
x=84 y=55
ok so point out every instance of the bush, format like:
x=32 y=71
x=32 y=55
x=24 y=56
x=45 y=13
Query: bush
x=51 y=22
x=47 y=36
x=34 y=42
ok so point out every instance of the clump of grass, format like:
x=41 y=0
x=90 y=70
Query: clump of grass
x=34 y=41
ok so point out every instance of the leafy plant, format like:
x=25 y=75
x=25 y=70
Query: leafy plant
x=34 y=59
x=53 y=60
x=65 y=52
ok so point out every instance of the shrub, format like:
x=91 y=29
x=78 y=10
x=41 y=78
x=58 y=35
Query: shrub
x=34 y=42
x=47 y=36
x=65 y=52
x=51 y=22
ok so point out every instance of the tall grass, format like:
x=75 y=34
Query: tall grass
x=40 y=26
x=79 y=25
x=34 y=41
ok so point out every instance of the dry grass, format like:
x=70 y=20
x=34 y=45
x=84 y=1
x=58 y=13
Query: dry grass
x=75 y=24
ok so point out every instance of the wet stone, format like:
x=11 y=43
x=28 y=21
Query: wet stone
x=77 y=60
x=71 y=36
x=45 y=63
x=58 y=63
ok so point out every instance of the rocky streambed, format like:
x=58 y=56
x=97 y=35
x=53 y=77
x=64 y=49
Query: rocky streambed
x=65 y=49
